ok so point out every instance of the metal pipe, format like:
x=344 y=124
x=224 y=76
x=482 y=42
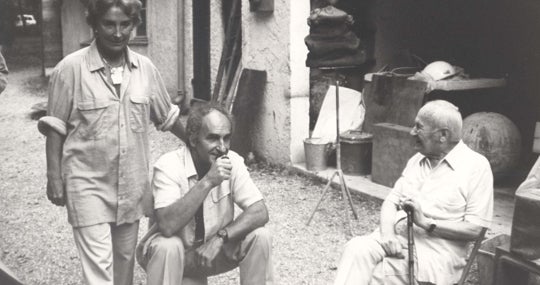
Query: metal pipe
x=180 y=54
x=410 y=243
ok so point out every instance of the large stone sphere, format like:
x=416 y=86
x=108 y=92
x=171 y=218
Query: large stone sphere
x=494 y=136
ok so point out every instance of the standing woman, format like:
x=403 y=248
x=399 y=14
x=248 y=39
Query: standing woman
x=101 y=101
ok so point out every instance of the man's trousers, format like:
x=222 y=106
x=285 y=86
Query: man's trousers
x=107 y=253
x=168 y=262
x=364 y=262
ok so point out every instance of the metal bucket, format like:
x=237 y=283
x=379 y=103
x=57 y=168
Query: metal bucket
x=316 y=151
x=356 y=152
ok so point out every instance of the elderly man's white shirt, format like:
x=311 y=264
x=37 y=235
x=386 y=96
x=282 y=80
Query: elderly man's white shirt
x=459 y=188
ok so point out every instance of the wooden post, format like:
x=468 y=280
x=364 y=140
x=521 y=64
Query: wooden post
x=536 y=142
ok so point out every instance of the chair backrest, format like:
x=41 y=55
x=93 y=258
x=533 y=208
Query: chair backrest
x=472 y=256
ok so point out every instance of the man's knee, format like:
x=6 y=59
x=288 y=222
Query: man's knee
x=167 y=246
x=261 y=236
x=360 y=246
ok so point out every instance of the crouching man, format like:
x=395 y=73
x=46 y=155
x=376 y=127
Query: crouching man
x=449 y=189
x=195 y=190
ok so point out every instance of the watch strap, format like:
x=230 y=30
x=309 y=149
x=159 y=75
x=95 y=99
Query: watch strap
x=431 y=227
x=223 y=234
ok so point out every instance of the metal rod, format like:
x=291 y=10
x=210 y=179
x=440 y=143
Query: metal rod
x=338 y=141
x=349 y=197
x=322 y=196
x=410 y=244
x=344 y=192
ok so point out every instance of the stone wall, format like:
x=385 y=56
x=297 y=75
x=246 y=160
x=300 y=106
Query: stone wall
x=269 y=44
x=266 y=47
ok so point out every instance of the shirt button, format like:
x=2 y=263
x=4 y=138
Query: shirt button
x=121 y=125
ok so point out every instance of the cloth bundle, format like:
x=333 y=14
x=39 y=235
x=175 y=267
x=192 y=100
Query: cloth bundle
x=525 y=237
x=330 y=42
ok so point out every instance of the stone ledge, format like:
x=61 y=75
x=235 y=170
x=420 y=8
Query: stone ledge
x=363 y=186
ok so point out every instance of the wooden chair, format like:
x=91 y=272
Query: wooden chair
x=470 y=260
x=472 y=256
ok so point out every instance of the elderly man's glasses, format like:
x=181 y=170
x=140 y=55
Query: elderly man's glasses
x=418 y=128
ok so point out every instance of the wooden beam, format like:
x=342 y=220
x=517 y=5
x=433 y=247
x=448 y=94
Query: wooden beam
x=480 y=83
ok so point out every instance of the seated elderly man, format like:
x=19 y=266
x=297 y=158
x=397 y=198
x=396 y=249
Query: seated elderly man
x=195 y=191
x=449 y=189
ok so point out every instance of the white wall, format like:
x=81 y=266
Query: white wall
x=163 y=41
x=273 y=42
x=299 y=82
x=266 y=46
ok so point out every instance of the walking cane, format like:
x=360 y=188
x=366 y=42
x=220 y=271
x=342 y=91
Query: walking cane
x=410 y=243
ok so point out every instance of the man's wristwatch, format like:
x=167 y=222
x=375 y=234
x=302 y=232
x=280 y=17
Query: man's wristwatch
x=223 y=234
x=432 y=226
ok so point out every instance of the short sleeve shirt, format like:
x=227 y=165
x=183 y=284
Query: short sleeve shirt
x=175 y=175
x=3 y=73
x=459 y=188
x=105 y=159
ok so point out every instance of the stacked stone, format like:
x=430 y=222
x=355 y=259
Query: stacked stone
x=331 y=43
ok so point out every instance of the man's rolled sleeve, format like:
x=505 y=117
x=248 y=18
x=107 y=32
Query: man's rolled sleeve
x=396 y=192
x=163 y=113
x=59 y=105
x=50 y=122
x=479 y=209
x=245 y=192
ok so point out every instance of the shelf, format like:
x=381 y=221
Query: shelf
x=453 y=85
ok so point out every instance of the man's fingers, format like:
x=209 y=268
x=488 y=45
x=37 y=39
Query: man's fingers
x=391 y=248
x=226 y=173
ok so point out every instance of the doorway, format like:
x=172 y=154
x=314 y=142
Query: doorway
x=201 y=50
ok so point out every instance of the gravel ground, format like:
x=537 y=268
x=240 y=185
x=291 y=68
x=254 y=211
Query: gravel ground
x=36 y=241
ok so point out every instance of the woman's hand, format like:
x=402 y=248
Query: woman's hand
x=56 y=191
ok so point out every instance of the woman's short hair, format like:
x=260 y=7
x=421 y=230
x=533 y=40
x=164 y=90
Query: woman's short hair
x=98 y=8
x=443 y=115
x=197 y=113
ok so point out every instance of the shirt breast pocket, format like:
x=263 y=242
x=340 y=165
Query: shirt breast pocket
x=139 y=113
x=450 y=200
x=95 y=120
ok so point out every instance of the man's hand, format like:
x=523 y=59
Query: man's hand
x=206 y=253
x=418 y=215
x=219 y=171
x=392 y=246
x=55 y=191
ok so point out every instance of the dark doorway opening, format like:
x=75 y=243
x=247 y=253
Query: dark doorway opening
x=201 y=49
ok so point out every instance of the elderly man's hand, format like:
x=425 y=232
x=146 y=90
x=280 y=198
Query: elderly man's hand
x=206 y=253
x=219 y=171
x=392 y=246
x=419 y=218
x=55 y=191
